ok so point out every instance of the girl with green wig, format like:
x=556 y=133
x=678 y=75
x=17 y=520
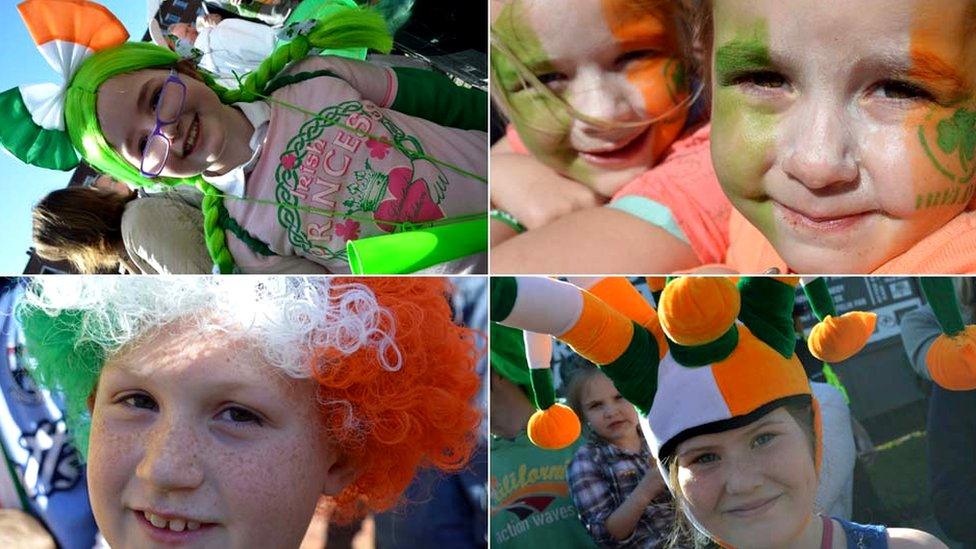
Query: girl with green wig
x=305 y=155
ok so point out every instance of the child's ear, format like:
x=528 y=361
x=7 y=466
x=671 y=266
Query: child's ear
x=341 y=471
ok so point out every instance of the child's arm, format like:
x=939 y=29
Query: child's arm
x=532 y=192
x=594 y=241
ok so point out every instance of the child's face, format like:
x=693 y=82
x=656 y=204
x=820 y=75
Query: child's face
x=127 y=116
x=845 y=131
x=606 y=412
x=753 y=486
x=612 y=60
x=194 y=431
x=184 y=31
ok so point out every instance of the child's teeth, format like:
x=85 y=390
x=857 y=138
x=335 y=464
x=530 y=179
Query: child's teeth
x=190 y=525
x=158 y=522
x=177 y=525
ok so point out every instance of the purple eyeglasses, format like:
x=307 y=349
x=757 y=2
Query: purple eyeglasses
x=169 y=107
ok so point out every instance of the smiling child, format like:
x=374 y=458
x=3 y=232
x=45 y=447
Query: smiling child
x=224 y=414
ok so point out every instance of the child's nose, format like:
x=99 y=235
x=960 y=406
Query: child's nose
x=744 y=475
x=170 y=461
x=819 y=148
x=601 y=95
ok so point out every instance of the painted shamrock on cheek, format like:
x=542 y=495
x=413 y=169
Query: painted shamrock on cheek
x=958 y=134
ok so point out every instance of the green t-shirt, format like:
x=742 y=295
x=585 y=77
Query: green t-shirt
x=530 y=503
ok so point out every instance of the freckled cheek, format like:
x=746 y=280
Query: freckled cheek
x=271 y=489
x=114 y=451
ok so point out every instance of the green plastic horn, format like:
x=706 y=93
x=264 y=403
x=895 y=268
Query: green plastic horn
x=411 y=251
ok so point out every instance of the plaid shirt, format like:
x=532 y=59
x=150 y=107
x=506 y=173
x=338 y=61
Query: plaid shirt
x=601 y=476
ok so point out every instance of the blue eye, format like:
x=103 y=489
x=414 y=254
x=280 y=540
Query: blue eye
x=706 y=458
x=763 y=439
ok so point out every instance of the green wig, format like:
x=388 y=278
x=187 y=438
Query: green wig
x=344 y=28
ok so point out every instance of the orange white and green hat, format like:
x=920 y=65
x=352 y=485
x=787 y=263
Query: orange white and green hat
x=67 y=32
x=714 y=355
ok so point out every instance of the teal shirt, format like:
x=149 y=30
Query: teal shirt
x=530 y=503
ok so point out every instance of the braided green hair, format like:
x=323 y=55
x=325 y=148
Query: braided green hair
x=344 y=28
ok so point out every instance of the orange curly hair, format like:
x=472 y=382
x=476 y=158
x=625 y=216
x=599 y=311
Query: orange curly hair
x=391 y=423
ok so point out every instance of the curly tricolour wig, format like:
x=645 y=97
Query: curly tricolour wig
x=395 y=375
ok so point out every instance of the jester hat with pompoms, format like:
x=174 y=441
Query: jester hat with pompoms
x=712 y=357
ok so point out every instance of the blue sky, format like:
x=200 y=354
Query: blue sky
x=25 y=185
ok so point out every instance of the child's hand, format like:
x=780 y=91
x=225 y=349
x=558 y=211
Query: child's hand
x=533 y=193
x=652 y=484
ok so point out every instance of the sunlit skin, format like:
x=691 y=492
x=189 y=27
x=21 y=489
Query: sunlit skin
x=610 y=415
x=817 y=116
x=753 y=486
x=612 y=60
x=127 y=116
x=200 y=428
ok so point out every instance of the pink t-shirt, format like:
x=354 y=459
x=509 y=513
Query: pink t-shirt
x=311 y=163
x=682 y=195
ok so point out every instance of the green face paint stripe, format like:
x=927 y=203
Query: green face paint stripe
x=745 y=131
x=520 y=40
x=534 y=112
x=747 y=51
x=948 y=197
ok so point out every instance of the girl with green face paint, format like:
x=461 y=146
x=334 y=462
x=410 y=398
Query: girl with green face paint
x=597 y=93
x=377 y=159
x=842 y=142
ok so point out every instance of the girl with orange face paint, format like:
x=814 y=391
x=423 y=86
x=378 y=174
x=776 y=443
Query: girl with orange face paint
x=596 y=92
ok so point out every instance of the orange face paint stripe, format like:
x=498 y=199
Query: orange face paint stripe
x=946 y=135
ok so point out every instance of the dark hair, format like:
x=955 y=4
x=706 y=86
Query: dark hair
x=82 y=225
x=682 y=530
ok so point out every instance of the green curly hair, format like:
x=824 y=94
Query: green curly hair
x=343 y=28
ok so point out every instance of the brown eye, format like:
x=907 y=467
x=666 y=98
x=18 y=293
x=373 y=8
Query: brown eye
x=551 y=77
x=762 y=79
x=895 y=89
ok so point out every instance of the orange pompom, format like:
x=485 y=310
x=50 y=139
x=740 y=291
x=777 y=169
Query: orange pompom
x=554 y=428
x=839 y=338
x=656 y=283
x=698 y=310
x=952 y=360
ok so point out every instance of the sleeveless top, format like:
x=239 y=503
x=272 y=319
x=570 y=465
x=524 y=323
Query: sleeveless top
x=859 y=536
